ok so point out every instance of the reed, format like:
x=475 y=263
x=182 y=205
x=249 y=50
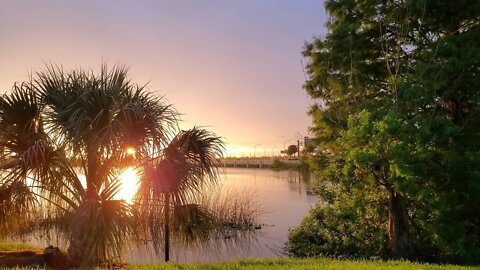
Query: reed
x=232 y=207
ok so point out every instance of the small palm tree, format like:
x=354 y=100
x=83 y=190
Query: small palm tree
x=62 y=126
x=174 y=180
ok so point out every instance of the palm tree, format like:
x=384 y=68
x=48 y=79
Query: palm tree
x=174 y=179
x=61 y=126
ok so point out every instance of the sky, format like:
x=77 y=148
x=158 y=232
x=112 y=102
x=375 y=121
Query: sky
x=233 y=67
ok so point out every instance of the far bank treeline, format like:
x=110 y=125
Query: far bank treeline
x=397 y=125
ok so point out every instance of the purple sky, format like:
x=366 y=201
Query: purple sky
x=231 y=66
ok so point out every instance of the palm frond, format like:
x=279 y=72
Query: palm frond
x=145 y=122
x=27 y=155
x=195 y=154
x=20 y=110
x=17 y=204
x=192 y=222
x=98 y=115
x=190 y=160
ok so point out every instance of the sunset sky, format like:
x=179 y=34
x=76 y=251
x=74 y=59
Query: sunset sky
x=233 y=67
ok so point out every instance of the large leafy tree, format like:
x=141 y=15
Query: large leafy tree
x=396 y=123
x=65 y=138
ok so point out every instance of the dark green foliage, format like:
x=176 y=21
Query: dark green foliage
x=396 y=127
x=334 y=230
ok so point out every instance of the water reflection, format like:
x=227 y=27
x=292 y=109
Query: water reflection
x=286 y=197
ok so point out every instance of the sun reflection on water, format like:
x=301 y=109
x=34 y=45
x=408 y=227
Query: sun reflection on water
x=130 y=183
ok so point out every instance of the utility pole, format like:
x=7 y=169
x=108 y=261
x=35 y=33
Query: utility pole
x=298 y=148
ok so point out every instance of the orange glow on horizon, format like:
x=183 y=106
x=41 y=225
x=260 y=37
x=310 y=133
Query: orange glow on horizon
x=259 y=151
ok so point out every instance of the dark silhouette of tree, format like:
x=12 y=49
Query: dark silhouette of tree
x=292 y=150
x=174 y=179
x=61 y=126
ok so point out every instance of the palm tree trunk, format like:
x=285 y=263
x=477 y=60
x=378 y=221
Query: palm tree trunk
x=398 y=227
x=167 y=228
x=77 y=250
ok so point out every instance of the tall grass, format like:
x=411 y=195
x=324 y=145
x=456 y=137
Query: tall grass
x=236 y=208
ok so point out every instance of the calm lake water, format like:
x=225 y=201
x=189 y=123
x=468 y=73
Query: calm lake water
x=285 y=196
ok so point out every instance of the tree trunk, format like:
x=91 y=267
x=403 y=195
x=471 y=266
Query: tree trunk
x=398 y=228
x=77 y=242
x=167 y=228
x=79 y=232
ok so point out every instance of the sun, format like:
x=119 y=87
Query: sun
x=130 y=151
x=129 y=179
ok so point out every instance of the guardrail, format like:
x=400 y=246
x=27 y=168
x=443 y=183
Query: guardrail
x=254 y=162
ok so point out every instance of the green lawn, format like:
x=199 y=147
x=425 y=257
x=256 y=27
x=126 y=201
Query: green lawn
x=8 y=246
x=271 y=263
x=326 y=264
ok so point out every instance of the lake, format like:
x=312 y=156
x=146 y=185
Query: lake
x=286 y=197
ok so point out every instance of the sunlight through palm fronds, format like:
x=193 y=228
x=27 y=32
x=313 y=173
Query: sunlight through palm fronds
x=63 y=137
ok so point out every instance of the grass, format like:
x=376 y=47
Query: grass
x=274 y=263
x=232 y=206
x=9 y=246
x=327 y=264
